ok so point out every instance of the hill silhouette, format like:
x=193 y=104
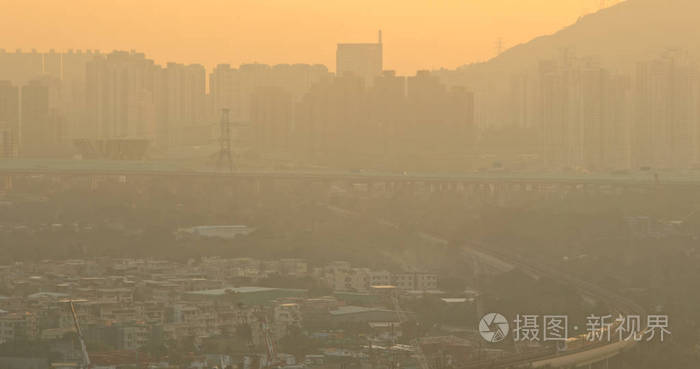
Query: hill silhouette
x=618 y=37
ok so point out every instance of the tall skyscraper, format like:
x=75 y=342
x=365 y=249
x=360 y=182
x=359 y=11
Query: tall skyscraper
x=666 y=116
x=222 y=82
x=388 y=99
x=20 y=67
x=231 y=88
x=180 y=95
x=582 y=115
x=41 y=120
x=119 y=92
x=74 y=66
x=327 y=118
x=52 y=64
x=364 y=60
x=271 y=118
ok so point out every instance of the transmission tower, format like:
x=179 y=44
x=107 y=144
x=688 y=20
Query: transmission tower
x=225 y=142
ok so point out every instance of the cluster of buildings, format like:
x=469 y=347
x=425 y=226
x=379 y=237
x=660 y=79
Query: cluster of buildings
x=341 y=276
x=48 y=101
x=52 y=102
x=395 y=115
x=582 y=115
x=133 y=304
x=53 y=97
x=576 y=113
x=569 y=112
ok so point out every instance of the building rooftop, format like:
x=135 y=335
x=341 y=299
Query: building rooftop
x=39 y=295
x=223 y=291
x=349 y=309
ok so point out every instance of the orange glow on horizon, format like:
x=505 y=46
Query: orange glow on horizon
x=418 y=34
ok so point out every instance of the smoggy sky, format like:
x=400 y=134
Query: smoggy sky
x=418 y=34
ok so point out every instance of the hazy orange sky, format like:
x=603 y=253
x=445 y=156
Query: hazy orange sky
x=418 y=34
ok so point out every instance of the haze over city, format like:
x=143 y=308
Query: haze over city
x=273 y=184
x=423 y=35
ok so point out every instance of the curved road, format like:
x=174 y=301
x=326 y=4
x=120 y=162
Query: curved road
x=589 y=354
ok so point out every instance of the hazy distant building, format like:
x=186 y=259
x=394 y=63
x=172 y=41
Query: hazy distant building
x=460 y=116
x=340 y=119
x=297 y=78
x=602 y=134
x=73 y=91
x=666 y=115
x=120 y=101
x=271 y=118
x=521 y=101
x=389 y=87
x=250 y=78
x=388 y=97
x=222 y=82
x=69 y=67
x=582 y=115
x=329 y=116
x=425 y=93
x=387 y=104
x=364 y=60
x=20 y=67
x=52 y=64
x=42 y=130
x=9 y=119
x=232 y=88
x=180 y=95
x=438 y=114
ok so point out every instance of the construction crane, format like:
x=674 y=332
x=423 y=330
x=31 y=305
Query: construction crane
x=86 y=357
x=420 y=355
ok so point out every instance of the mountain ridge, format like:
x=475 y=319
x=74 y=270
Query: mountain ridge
x=617 y=37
